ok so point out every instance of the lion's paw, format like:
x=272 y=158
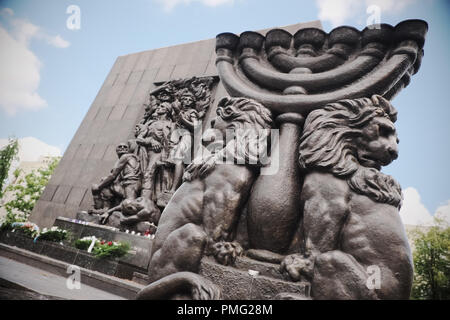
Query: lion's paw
x=297 y=266
x=226 y=252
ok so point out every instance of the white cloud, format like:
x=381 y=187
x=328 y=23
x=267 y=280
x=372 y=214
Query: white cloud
x=337 y=12
x=443 y=212
x=20 y=75
x=20 y=68
x=413 y=212
x=393 y=6
x=170 y=4
x=31 y=149
x=57 y=41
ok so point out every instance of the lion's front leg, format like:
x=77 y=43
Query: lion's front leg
x=182 y=250
x=228 y=190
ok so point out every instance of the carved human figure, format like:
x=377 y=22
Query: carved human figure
x=351 y=223
x=138 y=214
x=202 y=215
x=181 y=138
x=140 y=131
x=123 y=182
x=155 y=138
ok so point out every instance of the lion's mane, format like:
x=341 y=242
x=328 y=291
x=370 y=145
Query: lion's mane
x=328 y=144
x=249 y=124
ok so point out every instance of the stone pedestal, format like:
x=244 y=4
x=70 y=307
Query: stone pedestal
x=237 y=283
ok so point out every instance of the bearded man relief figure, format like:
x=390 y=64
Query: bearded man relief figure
x=350 y=209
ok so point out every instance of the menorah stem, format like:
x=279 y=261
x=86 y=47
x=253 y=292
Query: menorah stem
x=274 y=205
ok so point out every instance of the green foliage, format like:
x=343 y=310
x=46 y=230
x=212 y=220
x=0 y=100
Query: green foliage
x=432 y=263
x=8 y=221
x=26 y=228
x=54 y=234
x=103 y=249
x=82 y=244
x=111 y=250
x=28 y=189
x=7 y=155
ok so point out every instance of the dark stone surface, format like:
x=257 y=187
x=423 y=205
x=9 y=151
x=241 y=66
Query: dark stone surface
x=12 y=291
x=141 y=278
x=127 y=271
x=264 y=268
x=106 y=266
x=141 y=246
x=84 y=260
x=101 y=233
x=238 y=284
x=19 y=240
x=59 y=252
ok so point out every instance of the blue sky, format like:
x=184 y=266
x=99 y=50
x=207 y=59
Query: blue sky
x=68 y=67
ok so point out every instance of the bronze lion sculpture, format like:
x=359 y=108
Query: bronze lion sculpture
x=351 y=226
x=201 y=216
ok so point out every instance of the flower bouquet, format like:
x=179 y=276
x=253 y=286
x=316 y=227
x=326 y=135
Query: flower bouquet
x=101 y=248
x=53 y=234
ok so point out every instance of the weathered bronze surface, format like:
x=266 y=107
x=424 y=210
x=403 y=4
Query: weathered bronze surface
x=328 y=216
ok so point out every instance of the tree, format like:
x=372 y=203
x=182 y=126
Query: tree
x=7 y=155
x=27 y=191
x=432 y=263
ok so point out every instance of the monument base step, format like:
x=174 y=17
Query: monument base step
x=120 y=287
x=141 y=278
x=263 y=268
x=238 y=284
x=64 y=252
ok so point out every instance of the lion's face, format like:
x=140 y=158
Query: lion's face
x=353 y=139
x=378 y=144
x=221 y=125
